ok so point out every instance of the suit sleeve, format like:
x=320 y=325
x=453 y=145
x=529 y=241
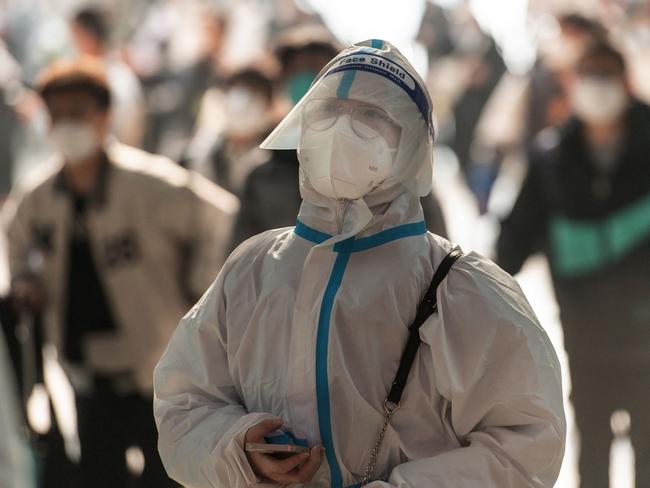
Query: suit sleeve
x=498 y=372
x=200 y=417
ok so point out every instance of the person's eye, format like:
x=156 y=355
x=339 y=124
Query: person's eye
x=377 y=115
x=372 y=113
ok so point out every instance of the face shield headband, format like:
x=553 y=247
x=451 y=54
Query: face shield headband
x=384 y=67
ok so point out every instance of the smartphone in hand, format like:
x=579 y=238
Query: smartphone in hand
x=278 y=450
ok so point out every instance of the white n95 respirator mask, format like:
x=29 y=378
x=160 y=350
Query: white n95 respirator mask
x=246 y=112
x=75 y=141
x=342 y=164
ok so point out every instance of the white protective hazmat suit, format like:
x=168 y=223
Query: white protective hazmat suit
x=309 y=323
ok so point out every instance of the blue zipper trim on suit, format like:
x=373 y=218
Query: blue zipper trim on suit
x=312 y=235
x=388 y=235
x=344 y=250
x=322 y=380
x=363 y=243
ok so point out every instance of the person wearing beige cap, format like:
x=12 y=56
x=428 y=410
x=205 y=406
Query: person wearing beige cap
x=112 y=245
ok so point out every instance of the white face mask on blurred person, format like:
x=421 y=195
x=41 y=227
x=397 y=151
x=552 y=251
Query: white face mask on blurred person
x=599 y=100
x=340 y=163
x=75 y=141
x=246 y=112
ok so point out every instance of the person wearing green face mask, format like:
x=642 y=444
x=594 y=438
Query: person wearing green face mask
x=299 y=84
x=301 y=56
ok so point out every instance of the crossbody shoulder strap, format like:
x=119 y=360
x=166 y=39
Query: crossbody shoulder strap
x=428 y=306
x=392 y=402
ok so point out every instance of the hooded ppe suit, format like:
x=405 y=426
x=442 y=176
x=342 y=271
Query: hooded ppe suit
x=308 y=324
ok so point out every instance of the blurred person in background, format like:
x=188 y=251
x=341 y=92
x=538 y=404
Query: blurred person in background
x=465 y=66
x=520 y=107
x=178 y=51
x=301 y=52
x=477 y=52
x=148 y=53
x=271 y=198
x=206 y=71
x=233 y=152
x=288 y=16
x=585 y=203
x=435 y=32
x=92 y=35
x=633 y=32
x=549 y=103
x=112 y=245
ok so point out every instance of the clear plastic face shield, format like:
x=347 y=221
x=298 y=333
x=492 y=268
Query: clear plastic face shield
x=366 y=120
x=368 y=113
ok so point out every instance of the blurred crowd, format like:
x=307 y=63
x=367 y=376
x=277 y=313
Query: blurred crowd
x=165 y=103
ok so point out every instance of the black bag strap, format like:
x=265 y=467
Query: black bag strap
x=428 y=306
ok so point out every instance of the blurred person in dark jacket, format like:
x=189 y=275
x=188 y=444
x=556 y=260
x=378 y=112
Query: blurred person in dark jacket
x=233 y=151
x=585 y=203
x=271 y=197
x=552 y=74
x=520 y=107
x=112 y=245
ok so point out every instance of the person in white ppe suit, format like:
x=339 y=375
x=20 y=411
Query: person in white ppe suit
x=305 y=326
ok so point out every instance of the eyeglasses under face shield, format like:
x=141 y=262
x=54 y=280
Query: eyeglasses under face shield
x=366 y=120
